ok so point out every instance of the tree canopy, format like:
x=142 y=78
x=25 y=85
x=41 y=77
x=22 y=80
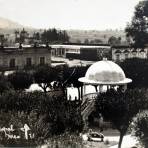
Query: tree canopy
x=114 y=40
x=53 y=35
x=141 y=128
x=138 y=28
x=137 y=70
x=44 y=75
x=120 y=107
x=78 y=72
x=20 y=80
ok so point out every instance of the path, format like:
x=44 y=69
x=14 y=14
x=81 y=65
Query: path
x=128 y=141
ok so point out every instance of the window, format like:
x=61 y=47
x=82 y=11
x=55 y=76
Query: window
x=118 y=57
x=28 y=62
x=12 y=63
x=42 y=60
x=126 y=55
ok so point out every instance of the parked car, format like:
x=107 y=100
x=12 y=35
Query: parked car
x=94 y=136
x=70 y=59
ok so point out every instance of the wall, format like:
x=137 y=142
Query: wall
x=20 y=56
x=120 y=54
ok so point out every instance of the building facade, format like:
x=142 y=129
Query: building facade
x=120 y=53
x=82 y=51
x=24 y=57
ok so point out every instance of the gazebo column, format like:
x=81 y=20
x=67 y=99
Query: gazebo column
x=96 y=87
x=125 y=87
x=81 y=91
x=100 y=88
x=84 y=89
x=108 y=87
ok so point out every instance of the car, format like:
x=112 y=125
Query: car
x=70 y=59
x=94 y=136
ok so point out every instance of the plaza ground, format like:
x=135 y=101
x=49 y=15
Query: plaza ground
x=111 y=139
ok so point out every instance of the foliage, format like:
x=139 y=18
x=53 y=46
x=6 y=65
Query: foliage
x=20 y=101
x=137 y=70
x=20 y=36
x=114 y=40
x=46 y=115
x=23 y=35
x=61 y=115
x=138 y=28
x=66 y=140
x=20 y=80
x=63 y=74
x=140 y=128
x=52 y=35
x=36 y=36
x=44 y=75
x=78 y=72
x=70 y=75
x=4 y=84
x=120 y=108
x=3 y=39
x=96 y=41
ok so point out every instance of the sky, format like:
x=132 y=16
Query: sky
x=70 y=14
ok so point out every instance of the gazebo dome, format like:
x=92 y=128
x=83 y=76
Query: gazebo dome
x=106 y=73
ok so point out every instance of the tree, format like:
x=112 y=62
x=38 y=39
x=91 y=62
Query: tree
x=23 y=35
x=63 y=36
x=4 y=84
x=64 y=75
x=36 y=35
x=43 y=76
x=70 y=75
x=53 y=35
x=140 y=126
x=120 y=107
x=114 y=41
x=2 y=39
x=86 y=41
x=16 y=35
x=133 y=70
x=96 y=41
x=78 y=72
x=138 y=28
x=20 y=80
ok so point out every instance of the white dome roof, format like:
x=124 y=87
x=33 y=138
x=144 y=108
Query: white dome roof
x=105 y=72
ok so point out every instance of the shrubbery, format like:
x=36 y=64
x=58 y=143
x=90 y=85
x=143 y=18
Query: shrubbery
x=140 y=126
x=45 y=115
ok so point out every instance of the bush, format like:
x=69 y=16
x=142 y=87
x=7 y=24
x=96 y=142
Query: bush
x=45 y=115
x=20 y=80
x=140 y=126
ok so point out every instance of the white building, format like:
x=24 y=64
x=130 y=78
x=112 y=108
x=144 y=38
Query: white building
x=120 y=53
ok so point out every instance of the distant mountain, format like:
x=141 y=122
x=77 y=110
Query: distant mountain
x=8 y=27
x=8 y=24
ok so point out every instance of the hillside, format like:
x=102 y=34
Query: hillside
x=8 y=24
x=8 y=27
x=82 y=35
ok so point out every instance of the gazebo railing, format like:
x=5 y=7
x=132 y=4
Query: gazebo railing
x=89 y=96
x=88 y=104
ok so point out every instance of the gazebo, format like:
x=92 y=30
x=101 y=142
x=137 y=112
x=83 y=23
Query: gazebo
x=105 y=73
x=101 y=74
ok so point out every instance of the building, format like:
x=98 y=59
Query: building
x=12 y=58
x=120 y=53
x=81 y=51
